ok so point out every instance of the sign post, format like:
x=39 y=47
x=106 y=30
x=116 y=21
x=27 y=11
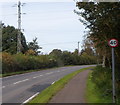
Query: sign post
x=113 y=43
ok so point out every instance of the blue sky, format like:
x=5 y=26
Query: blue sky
x=54 y=24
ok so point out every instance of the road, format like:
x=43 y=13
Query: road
x=19 y=88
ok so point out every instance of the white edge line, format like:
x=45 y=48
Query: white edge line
x=53 y=82
x=30 y=98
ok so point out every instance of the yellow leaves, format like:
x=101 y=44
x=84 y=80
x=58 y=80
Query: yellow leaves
x=30 y=52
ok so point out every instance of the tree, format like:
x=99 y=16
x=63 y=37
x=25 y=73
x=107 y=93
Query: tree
x=34 y=46
x=67 y=58
x=9 y=40
x=88 y=47
x=103 y=21
x=56 y=53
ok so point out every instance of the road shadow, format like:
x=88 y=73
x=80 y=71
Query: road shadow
x=38 y=88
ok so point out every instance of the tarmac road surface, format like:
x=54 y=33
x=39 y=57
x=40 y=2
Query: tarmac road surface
x=19 y=88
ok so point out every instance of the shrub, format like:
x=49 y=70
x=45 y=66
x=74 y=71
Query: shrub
x=102 y=77
x=8 y=63
x=21 y=61
x=30 y=52
x=27 y=62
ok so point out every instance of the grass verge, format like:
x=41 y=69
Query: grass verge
x=93 y=94
x=48 y=93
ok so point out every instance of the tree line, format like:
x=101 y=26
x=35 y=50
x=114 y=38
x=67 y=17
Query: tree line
x=103 y=21
x=30 y=57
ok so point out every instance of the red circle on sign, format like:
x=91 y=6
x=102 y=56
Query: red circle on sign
x=113 y=42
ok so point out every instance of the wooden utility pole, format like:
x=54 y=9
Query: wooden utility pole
x=78 y=49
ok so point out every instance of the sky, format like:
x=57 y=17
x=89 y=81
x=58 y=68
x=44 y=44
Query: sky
x=54 y=23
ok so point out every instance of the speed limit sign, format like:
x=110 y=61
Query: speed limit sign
x=113 y=42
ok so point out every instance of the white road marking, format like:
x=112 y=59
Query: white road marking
x=30 y=98
x=38 y=76
x=3 y=86
x=53 y=82
x=41 y=75
x=21 y=81
x=49 y=73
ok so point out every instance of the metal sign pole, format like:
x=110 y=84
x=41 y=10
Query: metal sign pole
x=113 y=75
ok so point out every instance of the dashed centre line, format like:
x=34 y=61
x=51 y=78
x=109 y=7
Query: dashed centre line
x=49 y=73
x=21 y=81
x=33 y=78
x=3 y=86
x=38 y=76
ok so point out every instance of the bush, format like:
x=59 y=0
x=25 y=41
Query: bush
x=28 y=61
x=30 y=52
x=8 y=63
x=102 y=77
x=22 y=62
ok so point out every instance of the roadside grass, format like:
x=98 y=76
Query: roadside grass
x=46 y=95
x=93 y=94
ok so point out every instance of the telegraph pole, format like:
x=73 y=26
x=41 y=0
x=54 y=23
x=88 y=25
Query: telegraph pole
x=19 y=45
x=78 y=48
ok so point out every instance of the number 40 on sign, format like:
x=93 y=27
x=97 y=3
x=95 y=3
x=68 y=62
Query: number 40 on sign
x=113 y=42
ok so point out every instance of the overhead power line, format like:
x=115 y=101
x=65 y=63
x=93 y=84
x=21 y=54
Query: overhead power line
x=58 y=43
